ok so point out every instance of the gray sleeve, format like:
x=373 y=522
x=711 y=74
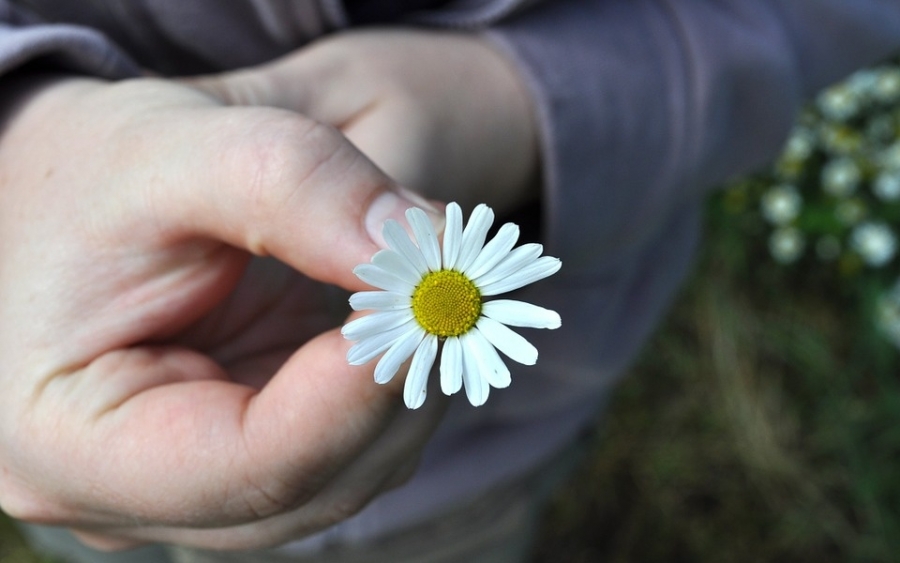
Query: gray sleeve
x=25 y=39
x=645 y=105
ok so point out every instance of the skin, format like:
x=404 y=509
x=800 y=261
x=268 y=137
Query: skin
x=173 y=260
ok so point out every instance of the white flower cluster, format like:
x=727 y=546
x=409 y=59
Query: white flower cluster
x=833 y=194
x=836 y=186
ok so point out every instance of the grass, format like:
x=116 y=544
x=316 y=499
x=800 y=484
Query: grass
x=12 y=548
x=762 y=423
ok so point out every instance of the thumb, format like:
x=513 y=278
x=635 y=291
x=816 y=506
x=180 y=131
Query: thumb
x=274 y=182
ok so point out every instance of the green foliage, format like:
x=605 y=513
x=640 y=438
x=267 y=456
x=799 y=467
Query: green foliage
x=761 y=424
x=13 y=548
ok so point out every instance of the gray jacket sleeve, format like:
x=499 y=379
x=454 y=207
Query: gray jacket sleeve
x=646 y=104
x=25 y=39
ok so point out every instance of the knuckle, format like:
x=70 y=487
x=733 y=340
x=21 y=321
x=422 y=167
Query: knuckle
x=20 y=504
x=105 y=543
x=22 y=495
x=268 y=495
x=281 y=154
x=281 y=161
x=264 y=501
x=343 y=508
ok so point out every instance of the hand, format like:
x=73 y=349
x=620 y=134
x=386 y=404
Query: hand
x=445 y=114
x=159 y=382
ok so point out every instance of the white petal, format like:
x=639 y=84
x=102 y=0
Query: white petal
x=492 y=367
x=515 y=260
x=382 y=321
x=473 y=236
x=375 y=276
x=452 y=235
x=399 y=352
x=494 y=251
x=425 y=237
x=519 y=313
x=451 y=366
x=507 y=341
x=366 y=350
x=398 y=240
x=538 y=270
x=414 y=390
x=394 y=263
x=477 y=387
x=379 y=300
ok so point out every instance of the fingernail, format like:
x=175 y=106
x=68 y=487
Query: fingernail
x=393 y=205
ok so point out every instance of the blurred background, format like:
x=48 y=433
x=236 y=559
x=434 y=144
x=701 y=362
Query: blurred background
x=762 y=422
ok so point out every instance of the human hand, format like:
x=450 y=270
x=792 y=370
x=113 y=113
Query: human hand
x=160 y=383
x=443 y=113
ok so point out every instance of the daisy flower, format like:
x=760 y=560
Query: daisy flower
x=432 y=296
x=839 y=103
x=887 y=86
x=781 y=204
x=875 y=242
x=786 y=244
x=887 y=185
x=841 y=177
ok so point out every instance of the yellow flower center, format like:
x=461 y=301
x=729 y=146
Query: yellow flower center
x=446 y=303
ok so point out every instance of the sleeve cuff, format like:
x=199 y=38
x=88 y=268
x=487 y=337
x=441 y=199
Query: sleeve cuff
x=68 y=47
